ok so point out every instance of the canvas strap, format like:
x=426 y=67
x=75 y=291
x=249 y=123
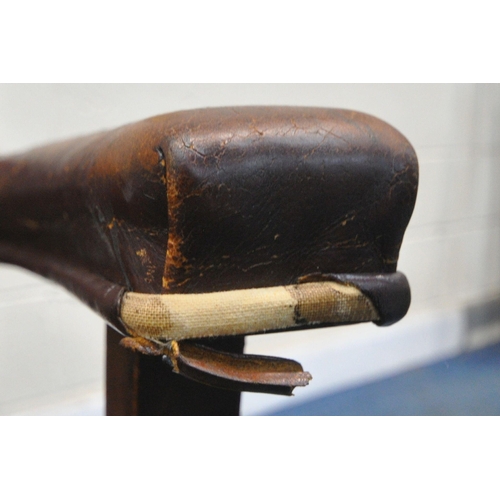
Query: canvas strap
x=236 y=312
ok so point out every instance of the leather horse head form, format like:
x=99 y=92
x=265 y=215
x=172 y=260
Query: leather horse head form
x=219 y=222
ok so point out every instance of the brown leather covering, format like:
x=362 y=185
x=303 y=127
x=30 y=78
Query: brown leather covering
x=262 y=196
x=211 y=200
x=90 y=213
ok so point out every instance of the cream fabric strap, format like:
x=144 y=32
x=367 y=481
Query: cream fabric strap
x=183 y=316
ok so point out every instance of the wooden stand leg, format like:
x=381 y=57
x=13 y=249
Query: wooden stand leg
x=145 y=385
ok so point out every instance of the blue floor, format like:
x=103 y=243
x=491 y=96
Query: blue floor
x=466 y=385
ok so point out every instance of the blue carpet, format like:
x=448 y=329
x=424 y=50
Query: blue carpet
x=466 y=385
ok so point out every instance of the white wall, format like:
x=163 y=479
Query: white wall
x=52 y=354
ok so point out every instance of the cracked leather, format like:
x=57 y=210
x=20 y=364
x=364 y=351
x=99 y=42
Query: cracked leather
x=211 y=200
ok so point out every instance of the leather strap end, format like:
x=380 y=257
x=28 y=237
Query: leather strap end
x=237 y=372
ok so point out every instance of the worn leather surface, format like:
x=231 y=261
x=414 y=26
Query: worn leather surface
x=90 y=213
x=207 y=200
x=262 y=196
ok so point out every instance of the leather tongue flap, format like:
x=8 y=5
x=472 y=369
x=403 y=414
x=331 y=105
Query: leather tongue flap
x=240 y=372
